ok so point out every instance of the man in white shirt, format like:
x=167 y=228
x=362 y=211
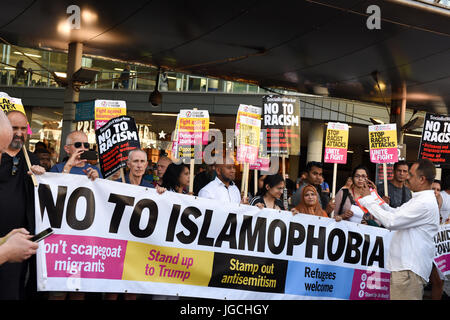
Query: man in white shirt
x=222 y=187
x=444 y=200
x=415 y=224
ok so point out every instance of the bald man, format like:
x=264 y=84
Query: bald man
x=17 y=201
x=15 y=246
x=161 y=167
x=76 y=144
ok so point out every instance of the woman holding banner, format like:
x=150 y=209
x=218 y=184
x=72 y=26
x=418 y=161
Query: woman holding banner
x=270 y=194
x=348 y=197
x=176 y=178
x=309 y=203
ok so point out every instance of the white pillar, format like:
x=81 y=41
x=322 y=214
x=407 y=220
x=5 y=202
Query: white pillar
x=315 y=142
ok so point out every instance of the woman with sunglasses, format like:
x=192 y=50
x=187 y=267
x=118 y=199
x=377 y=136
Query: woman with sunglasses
x=76 y=144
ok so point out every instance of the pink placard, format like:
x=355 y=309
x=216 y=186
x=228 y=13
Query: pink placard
x=335 y=155
x=370 y=285
x=84 y=257
x=387 y=155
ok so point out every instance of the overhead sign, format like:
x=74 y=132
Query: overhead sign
x=436 y=139
x=115 y=140
x=383 y=143
x=281 y=119
x=336 y=143
x=116 y=237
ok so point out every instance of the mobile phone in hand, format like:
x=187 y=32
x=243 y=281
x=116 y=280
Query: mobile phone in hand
x=42 y=235
x=89 y=155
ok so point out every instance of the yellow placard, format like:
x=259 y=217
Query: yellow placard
x=193 y=124
x=145 y=262
x=336 y=139
x=383 y=139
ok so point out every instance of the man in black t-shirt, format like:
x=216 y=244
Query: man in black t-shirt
x=16 y=202
x=398 y=192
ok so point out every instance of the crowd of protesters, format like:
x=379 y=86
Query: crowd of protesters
x=415 y=205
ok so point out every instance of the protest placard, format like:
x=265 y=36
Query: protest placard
x=281 y=119
x=116 y=237
x=248 y=128
x=115 y=139
x=383 y=143
x=106 y=110
x=442 y=255
x=192 y=130
x=8 y=104
x=336 y=145
x=383 y=147
x=436 y=139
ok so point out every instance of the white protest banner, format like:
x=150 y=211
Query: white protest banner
x=115 y=237
x=442 y=255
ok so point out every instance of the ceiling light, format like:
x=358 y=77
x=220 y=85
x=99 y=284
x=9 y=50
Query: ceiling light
x=61 y=74
x=27 y=54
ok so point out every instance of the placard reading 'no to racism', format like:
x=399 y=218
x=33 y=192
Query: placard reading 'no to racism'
x=116 y=237
x=436 y=139
x=281 y=119
x=115 y=140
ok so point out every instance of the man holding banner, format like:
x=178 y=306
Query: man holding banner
x=76 y=144
x=223 y=186
x=415 y=224
x=17 y=201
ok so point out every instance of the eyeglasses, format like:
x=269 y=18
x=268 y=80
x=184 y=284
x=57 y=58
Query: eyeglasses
x=357 y=176
x=15 y=167
x=78 y=144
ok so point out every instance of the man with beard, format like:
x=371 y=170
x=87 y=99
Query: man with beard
x=223 y=187
x=16 y=202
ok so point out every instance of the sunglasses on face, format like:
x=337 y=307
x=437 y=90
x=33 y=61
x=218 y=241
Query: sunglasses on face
x=79 y=144
x=15 y=167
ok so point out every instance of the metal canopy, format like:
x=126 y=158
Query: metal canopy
x=317 y=47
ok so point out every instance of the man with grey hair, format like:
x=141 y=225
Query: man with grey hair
x=17 y=201
x=137 y=163
x=76 y=144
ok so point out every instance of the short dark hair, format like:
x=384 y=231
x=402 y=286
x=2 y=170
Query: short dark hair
x=427 y=169
x=170 y=179
x=360 y=167
x=400 y=163
x=272 y=181
x=312 y=164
